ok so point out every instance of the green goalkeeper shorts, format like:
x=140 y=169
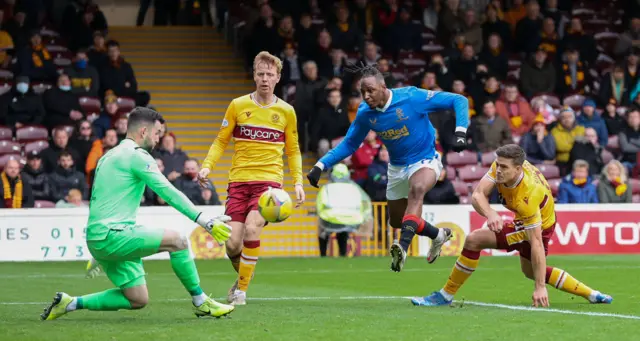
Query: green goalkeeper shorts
x=121 y=253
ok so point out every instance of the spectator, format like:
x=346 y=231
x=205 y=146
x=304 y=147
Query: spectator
x=82 y=141
x=51 y=155
x=438 y=66
x=588 y=149
x=363 y=158
x=549 y=37
x=18 y=31
x=577 y=188
x=429 y=81
x=564 y=135
x=628 y=39
x=465 y=67
x=97 y=54
x=495 y=56
x=459 y=88
x=490 y=91
x=291 y=66
x=363 y=17
x=84 y=77
x=65 y=177
x=613 y=187
x=90 y=19
x=16 y=193
x=108 y=115
x=172 y=157
x=264 y=36
x=630 y=140
x=442 y=193
x=119 y=77
x=376 y=182
x=538 y=144
x=517 y=12
x=286 y=33
x=187 y=183
x=490 y=131
x=345 y=34
x=494 y=25
x=150 y=198
x=332 y=122
x=322 y=56
x=210 y=197
x=591 y=119
x=613 y=86
x=541 y=108
x=21 y=106
x=528 y=29
x=306 y=38
x=36 y=62
x=631 y=70
x=62 y=106
x=614 y=121
x=551 y=11
x=404 y=34
x=34 y=175
x=538 y=75
x=450 y=20
x=573 y=74
x=389 y=80
x=338 y=62
x=515 y=110
x=577 y=38
x=306 y=90
x=99 y=148
x=120 y=126
x=352 y=107
x=6 y=49
x=371 y=55
x=71 y=200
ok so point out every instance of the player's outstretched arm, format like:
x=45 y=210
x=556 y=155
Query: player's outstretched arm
x=219 y=144
x=355 y=135
x=294 y=157
x=480 y=202
x=429 y=101
x=539 y=265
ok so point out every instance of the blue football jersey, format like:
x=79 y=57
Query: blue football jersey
x=403 y=125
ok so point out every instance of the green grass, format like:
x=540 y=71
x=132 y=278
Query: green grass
x=330 y=312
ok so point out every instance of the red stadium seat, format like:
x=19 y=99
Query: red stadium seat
x=464 y=158
x=9 y=147
x=6 y=74
x=550 y=99
x=488 y=158
x=90 y=104
x=40 y=88
x=5 y=158
x=471 y=173
x=5 y=133
x=35 y=146
x=554 y=184
x=574 y=101
x=465 y=200
x=613 y=144
x=636 y=199
x=126 y=104
x=461 y=188
x=606 y=156
x=451 y=173
x=44 y=204
x=68 y=128
x=432 y=48
x=5 y=87
x=61 y=61
x=549 y=171
x=31 y=133
x=56 y=48
x=635 y=186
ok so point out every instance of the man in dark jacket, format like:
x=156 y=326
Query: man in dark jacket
x=119 y=77
x=66 y=177
x=51 y=155
x=442 y=193
x=306 y=90
x=589 y=150
x=85 y=80
x=188 y=185
x=376 y=183
x=20 y=106
x=172 y=157
x=35 y=61
x=34 y=175
x=630 y=140
x=332 y=121
x=61 y=104
x=538 y=144
x=538 y=75
x=345 y=33
x=490 y=131
x=591 y=119
x=20 y=194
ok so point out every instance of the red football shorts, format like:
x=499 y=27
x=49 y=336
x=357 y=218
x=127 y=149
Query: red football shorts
x=243 y=198
x=511 y=239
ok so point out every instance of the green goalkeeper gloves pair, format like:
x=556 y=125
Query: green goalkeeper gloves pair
x=216 y=226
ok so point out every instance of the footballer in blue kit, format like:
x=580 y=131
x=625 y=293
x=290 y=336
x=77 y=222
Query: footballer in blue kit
x=400 y=117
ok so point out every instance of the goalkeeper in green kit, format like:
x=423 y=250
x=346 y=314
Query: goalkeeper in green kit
x=118 y=244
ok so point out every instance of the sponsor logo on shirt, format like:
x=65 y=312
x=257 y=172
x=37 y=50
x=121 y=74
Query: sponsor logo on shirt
x=262 y=134
x=394 y=134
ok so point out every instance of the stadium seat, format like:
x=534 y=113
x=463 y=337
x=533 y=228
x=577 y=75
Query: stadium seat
x=465 y=200
x=9 y=147
x=37 y=146
x=68 y=128
x=636 y=199
x=549 y=171
x=44 y=204
x=5 y=133
x=488 y=158
x=56 y=48
x=90 y=104
x=6 y=74
x=471 y=173
x=574 y=101
x=61 y=61
x=635 y=186
x=126 y=104
x=554 y=184
x=607 y=156
x=613 y=143
x=432 y=48
x=40 y=88
x=451 y=173
x=595 y=182
x=5 y=87
x=5 y=158
x=31 y=133
x=463 y=158
x=461 y=188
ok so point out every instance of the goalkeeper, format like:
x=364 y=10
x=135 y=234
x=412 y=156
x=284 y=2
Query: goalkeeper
x=342 y=207
x=119 y=245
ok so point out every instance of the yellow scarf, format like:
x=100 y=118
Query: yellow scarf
x=16 y=201
x=37 y=61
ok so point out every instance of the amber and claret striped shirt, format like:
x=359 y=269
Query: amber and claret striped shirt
x=261 y=134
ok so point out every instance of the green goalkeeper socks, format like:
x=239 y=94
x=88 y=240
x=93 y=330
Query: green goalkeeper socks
x=108 y=300
x=185 y=269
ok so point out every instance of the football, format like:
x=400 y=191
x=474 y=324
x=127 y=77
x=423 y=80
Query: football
x=275 y=205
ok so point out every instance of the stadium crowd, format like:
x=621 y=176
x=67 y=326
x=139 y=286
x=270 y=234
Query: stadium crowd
x=64 y=99
x=557 y=77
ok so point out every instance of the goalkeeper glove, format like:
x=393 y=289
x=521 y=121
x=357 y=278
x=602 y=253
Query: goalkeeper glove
x=216 y=226
x=314 y=176
x=460 y=141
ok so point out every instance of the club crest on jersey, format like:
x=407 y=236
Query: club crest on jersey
x=526 y=200
x=401 y=116
x=275 y=118
x=248 y=113
x=225 y=123
x=430 y=94
x=373 y=121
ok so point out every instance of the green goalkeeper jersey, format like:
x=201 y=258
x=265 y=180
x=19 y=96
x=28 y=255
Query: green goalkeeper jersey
x=119 y=183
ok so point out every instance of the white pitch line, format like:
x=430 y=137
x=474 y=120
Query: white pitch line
x=373 y=298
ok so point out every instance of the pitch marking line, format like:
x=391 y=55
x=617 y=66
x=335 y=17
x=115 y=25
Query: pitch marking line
x=372 y=298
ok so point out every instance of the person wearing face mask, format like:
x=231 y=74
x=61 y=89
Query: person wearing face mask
x=85 y=80
x=576 y=188
x=187 y=183
x=20 y=106
x=61 y=105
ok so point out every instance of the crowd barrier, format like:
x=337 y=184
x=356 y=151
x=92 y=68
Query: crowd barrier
x=59 y=234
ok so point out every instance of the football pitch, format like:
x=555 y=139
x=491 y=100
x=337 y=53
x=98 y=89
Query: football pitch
x=333 y=299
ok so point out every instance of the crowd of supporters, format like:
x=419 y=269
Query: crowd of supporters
x=64 y=98
x=558 y=77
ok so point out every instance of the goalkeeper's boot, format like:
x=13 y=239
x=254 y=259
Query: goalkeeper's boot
x=212 y=308
x=444 y=235
x=600 y=298
x=239 y=298
x=93 y=269
x=57 y=308
x=398 y=257
x=433 y=300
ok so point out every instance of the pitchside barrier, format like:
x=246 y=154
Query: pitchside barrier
x=59 y=234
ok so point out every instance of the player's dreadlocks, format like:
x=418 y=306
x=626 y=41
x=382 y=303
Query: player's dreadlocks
x=364 y=71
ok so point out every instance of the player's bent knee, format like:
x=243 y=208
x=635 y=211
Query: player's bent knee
x=138 y=297
x=473 y=242
x=233 y=246
x=418 y=190
x=172 y=241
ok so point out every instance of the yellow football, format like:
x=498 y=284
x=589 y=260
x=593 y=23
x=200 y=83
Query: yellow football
x=275 y=205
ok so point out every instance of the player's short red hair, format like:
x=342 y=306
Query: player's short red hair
x=269 y=59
